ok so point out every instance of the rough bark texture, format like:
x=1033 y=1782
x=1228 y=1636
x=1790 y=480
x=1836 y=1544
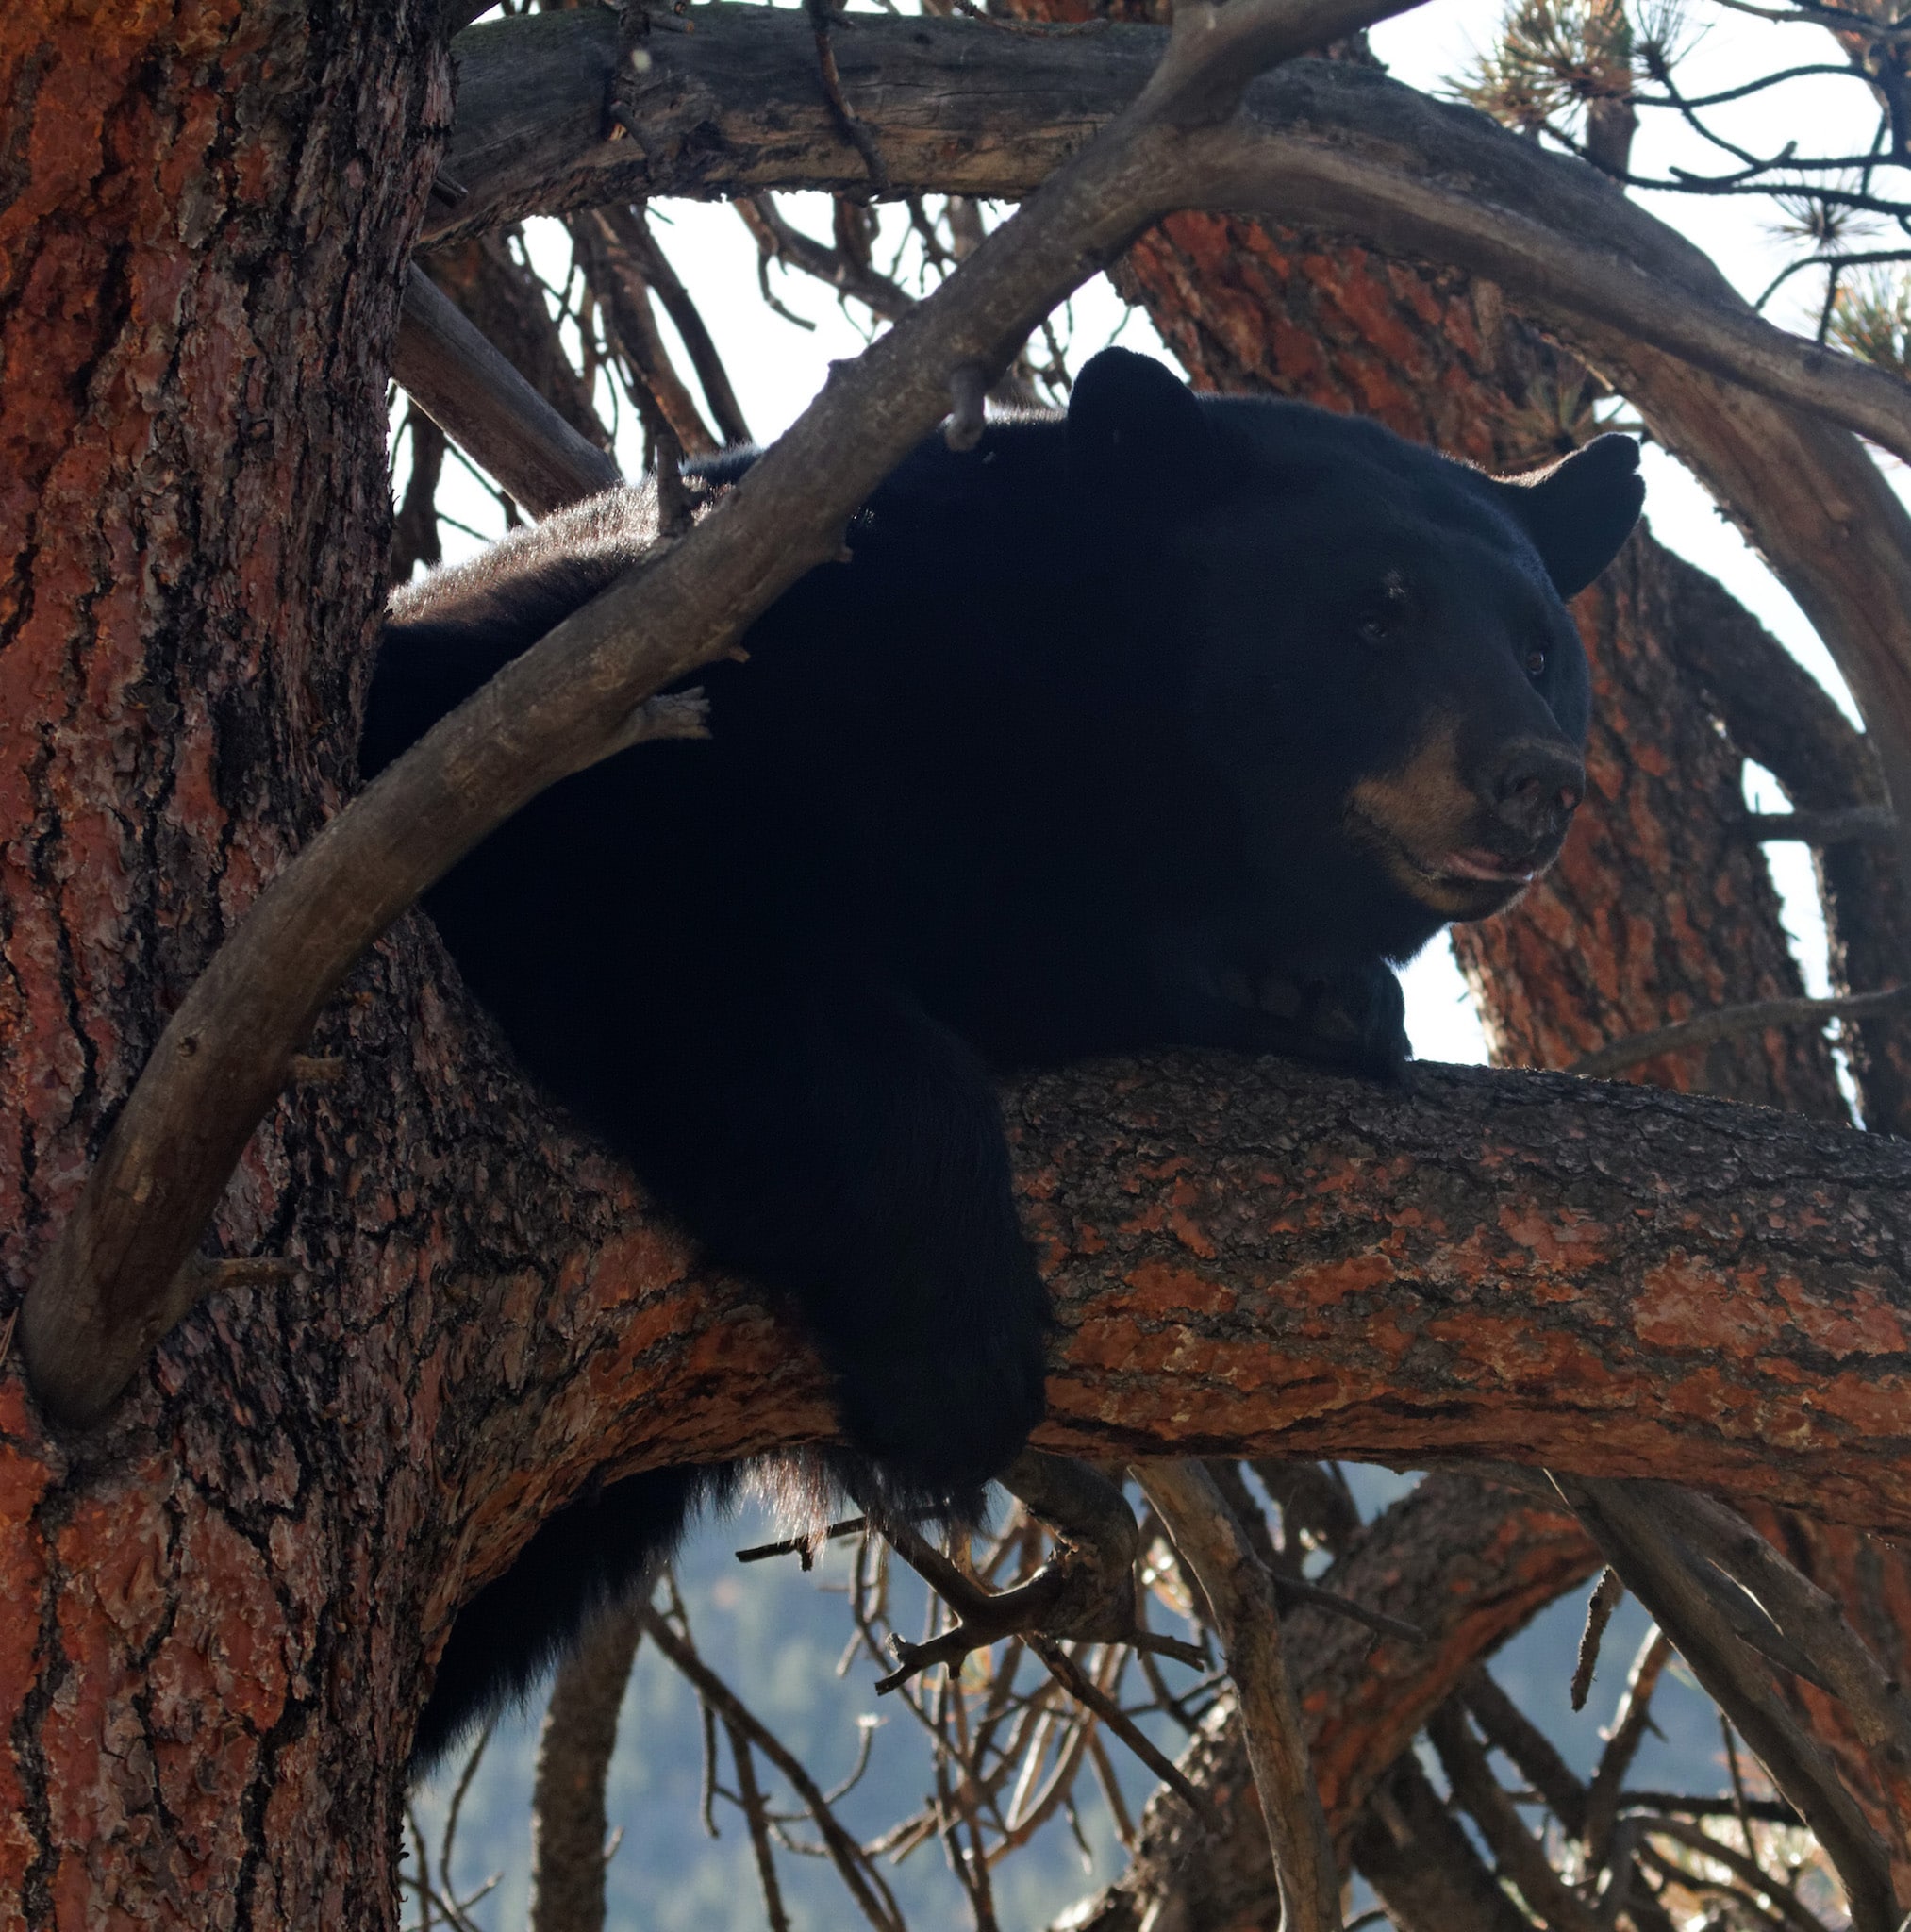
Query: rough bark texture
x=217 y=1614
x=203 y=217
x=1469 y=1563
x=1659 y=907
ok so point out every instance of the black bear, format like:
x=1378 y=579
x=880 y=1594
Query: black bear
x=1169 y=723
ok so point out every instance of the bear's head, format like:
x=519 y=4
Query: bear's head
x=1381 y=665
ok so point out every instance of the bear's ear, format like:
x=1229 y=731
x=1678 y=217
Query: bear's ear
x=1135 y=427
x=1581 y=511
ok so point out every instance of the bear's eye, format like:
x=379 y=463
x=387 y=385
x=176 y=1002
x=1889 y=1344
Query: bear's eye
x=1535 y=663
x=1385 y=617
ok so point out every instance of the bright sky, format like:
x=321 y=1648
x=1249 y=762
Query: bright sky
x=776 y=367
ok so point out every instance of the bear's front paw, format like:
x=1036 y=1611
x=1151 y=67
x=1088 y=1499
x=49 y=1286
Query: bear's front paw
x=1357 y=1020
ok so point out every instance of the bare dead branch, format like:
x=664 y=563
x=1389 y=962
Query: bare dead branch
x=859 y=1873
x=414 y=527
x=1728 y=1022
x=1628 y=1519
x=1872 y=1695
x=115 y=1277
x=574 y=1749
x=1418 y=1856
x=1760 y=1884
x=1624 y=1738
x=625 y=293
x=1821 y=827
x=1507 y=1728
x=1242 y=1594
x=822 y=15
x=1348 y=151
x=780 y=241
x=1599 y=1609
x=751 y=1798
x=475 y=396
x=1518 y=1854
x=630 y=232
x=1687 y=1804
x=1068 y=1674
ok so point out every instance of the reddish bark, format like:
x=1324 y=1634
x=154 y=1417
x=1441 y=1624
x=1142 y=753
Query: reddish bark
x=1659 y=907
x=204 y=216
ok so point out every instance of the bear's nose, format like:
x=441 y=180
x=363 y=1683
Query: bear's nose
x=1537 y=789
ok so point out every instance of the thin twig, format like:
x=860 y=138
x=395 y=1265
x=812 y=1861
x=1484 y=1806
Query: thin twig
x=1627 y=1734
x=821 y=18
x=1682 y=1831
x=865 y=1883
x=1067 y=1674
x=751 y=1802
x=1822 y=829
x=1730 y=1023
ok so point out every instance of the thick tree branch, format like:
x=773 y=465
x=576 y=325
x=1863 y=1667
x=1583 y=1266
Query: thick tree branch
x=1253 y=1259
x=726 y=111
x=117 y=1274
x=480 y=401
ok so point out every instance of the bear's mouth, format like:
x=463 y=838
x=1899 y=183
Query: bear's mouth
x=1457 y=882
x=1494 y=868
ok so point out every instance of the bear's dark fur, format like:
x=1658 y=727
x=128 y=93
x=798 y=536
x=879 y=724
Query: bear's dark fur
x=1169 y=724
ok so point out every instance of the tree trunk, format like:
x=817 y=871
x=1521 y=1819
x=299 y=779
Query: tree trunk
x=204 y=220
